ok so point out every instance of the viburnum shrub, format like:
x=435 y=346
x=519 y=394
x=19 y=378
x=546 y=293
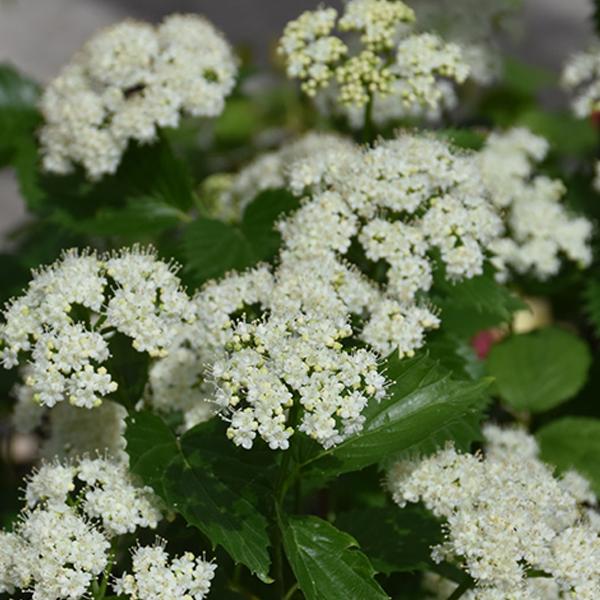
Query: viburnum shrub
x=333 y=337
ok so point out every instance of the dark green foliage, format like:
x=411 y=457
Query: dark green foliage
x=424 y=407
x=538 y=371
x=215 y=486
x=327 y=562
x=394 y=539
x=573 y=443
x=212 y=247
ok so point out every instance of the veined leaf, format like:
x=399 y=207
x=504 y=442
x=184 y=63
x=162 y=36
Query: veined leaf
x=213 y=247
x=214 y=485
x=395 y=539
x=142 y=215
x=423 y=407
x=151 y=446
x=573 y=443
x=327 y=562
x=475 y=304
x=539 y=370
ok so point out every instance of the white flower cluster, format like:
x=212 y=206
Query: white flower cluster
x=128 y=81
x=270 y=171
x=62 y=542
x=540 y=228
x=311 y=52
x=322 y=61
x=293 y=361
x=157 y=577
x=179 y=381
x=581 y=76
x=506 y=514
x=403 y=198
x=292 y=364
x=64 y=321
x=472 y=24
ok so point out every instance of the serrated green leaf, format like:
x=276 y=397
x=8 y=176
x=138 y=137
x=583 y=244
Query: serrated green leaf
x=129 y=370
x=213 y=247
x=151 y=446
x=214 y=485
x=424 y=404
x=456 y=354
x=144 y=215
x=394 y=539
x=260 y=217
x=327 y=562
x=573 y=443
x=155 y=171
x=475 y=304
x=539 y=370
x=591 y=304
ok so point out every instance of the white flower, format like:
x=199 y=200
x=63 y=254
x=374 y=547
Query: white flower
x=355 y=74
x=156 y=576
x=111 y=497
x=270 y=171
x=581 y=76
x=475 y=26
x=128 y=81
x=505 y=514
x=377 y=21
x=540 y=229
x=64 y=322
x=292 y=362
x=62 y=542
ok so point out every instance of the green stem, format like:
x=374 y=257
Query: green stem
x=99 y=591
x=460 y=590
x=291 y=592
x=285 y=479
x=368 y=132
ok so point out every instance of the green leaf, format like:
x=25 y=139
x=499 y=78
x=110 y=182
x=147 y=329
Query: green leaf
x=456 y=354
x=214 y=485
x=129 y=369
x=423 y=408
x=394 y=539
x=573 y=443
x=238 y=122
x=463 y=138
x=154 y=170
x=539 y=370
x=596 y=16
x=151 y=446
x=259 y=220
x=213 y=247
x=142 y=215
x=524 y=78
x=475 y=304
x=327 y=562
x=18 y=112
x=565 y=132
x=591 y=304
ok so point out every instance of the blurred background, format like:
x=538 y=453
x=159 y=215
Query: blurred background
x=39 y=36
